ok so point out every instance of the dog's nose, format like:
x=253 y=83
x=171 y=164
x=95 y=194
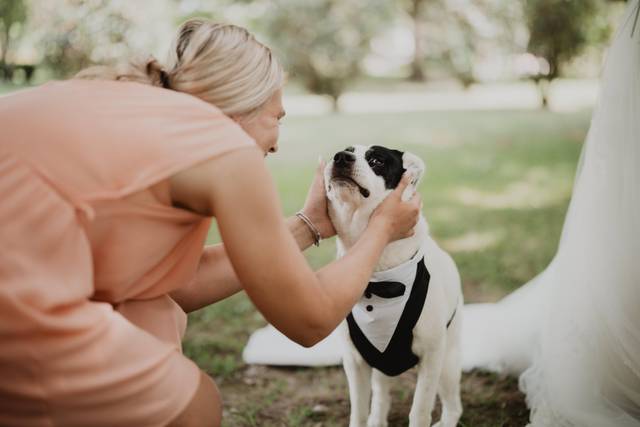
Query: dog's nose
x=344 y=158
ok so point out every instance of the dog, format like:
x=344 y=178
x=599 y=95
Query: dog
x=410 y=314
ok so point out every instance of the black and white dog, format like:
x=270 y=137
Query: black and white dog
x=410 y=313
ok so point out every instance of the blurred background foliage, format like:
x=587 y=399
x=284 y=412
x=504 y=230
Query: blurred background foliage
x=326 y=45
x=323 y=42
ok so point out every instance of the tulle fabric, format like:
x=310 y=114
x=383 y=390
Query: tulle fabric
x=574 y=331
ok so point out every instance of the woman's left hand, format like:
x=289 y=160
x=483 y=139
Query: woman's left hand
x=315 y=206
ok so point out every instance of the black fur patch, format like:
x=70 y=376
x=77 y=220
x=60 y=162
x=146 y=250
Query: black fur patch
x=387 y=163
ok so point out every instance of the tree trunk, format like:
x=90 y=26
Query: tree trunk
x=335 y=107
x=417 y=71
x=543 y=85
x=554 y=73
x=4 y=44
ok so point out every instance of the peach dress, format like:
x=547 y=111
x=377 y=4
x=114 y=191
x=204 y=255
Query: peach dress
x=90 y=247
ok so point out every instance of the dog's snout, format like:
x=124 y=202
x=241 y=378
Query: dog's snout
x=343 y=158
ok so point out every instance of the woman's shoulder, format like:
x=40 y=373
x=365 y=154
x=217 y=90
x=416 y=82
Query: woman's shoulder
x=115 y=137
x=125 y=94
x=95 y=101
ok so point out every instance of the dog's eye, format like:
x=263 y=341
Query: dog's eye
x=373 y=162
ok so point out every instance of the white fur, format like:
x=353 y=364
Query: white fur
x=437 y=347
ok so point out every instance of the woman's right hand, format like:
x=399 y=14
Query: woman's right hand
x=398 y=217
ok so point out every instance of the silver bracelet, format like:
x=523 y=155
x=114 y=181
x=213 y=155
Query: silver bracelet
x=314 y=230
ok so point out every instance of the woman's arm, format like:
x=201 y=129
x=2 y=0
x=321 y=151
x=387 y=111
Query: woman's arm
x=215 y=279
x=306 y=307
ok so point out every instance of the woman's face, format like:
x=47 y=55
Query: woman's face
x=264 y=127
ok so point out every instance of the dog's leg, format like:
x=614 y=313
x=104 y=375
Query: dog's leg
x=429 y=370
x=359 y=379
x=449 y=390
x=381 y=399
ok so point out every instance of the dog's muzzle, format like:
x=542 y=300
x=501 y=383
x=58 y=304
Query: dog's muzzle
x=343 y=162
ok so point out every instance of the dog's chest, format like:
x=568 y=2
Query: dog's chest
x=381 y=323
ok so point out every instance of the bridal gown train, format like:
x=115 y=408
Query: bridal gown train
x=573 y=333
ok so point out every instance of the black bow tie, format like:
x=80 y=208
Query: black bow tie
x=384 y=289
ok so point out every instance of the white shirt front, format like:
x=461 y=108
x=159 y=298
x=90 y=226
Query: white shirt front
x=378 y=317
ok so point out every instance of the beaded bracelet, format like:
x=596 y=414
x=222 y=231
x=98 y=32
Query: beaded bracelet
x=314 y=230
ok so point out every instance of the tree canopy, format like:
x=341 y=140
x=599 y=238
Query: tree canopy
x=323 y=42
x=13 y=14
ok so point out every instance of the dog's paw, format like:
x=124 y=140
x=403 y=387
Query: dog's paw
x=377 y=424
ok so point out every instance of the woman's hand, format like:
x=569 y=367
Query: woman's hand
x=315 y=206
x=399 y=217
x=261 y=250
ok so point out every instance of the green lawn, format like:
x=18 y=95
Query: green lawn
x=6 y=87
x=495 y=194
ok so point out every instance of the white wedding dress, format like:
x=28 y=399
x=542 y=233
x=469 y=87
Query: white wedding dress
x=573 y=333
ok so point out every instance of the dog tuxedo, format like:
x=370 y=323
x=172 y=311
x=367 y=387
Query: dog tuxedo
x=381 y=323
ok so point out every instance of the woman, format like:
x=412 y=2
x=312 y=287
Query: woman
x=108 y=188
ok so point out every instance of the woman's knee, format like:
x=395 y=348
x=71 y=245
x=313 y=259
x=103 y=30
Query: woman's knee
x=205 y=408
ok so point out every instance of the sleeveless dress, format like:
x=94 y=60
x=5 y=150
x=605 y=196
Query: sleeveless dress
x=90 y=247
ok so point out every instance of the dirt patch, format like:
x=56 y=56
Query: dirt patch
x=265 y=396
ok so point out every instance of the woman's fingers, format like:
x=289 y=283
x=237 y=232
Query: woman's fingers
x=400 y=216
x=416 y=201
x=320 y=168
x=404 y=182
x=315 y=206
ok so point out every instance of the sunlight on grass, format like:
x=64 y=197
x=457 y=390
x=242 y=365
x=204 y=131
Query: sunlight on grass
x=472 y=241
x=537 y=189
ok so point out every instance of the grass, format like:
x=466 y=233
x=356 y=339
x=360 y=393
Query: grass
x=495 y=194
x=7 y=87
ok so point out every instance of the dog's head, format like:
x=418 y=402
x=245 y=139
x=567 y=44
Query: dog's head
x=359 y=178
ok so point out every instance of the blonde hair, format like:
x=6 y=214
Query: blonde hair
x=219 y=63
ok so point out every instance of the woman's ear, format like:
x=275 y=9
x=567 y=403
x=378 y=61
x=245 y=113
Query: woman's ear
x=414 y=166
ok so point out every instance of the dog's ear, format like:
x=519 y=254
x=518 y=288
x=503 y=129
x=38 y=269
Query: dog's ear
x=415 y=167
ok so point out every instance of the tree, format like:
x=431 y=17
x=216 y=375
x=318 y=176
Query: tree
x=13 y=14
x=451 y=35
x=80 y=33
x=415 y=10
x=69 y=35
x=322 y=42
x=560 y=30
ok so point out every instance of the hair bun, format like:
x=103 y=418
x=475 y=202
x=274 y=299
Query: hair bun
x=157 y=74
